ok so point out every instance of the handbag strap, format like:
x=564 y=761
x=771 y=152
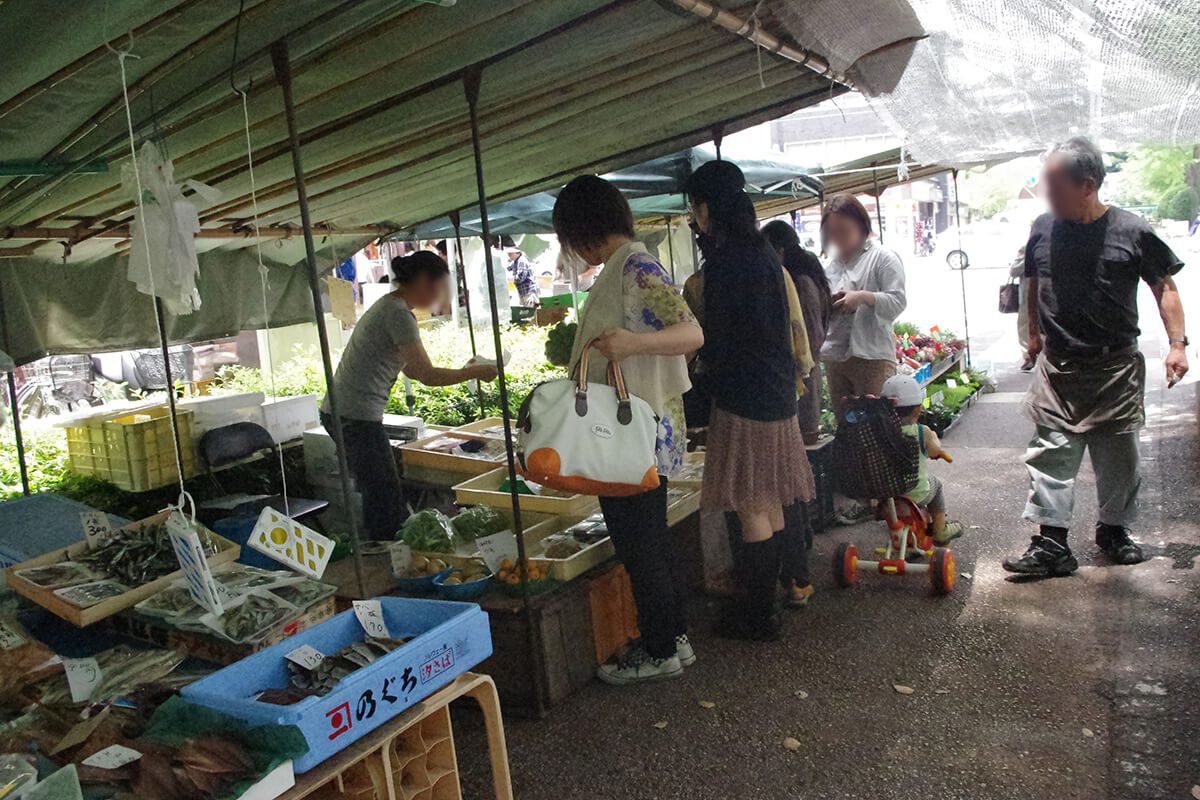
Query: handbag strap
x=615 y=379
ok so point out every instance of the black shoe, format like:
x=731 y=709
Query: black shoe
x=1044 y=557
x=736 y=623
x=1118 y=545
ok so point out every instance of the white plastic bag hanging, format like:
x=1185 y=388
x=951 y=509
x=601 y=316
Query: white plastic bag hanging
x=162 y=254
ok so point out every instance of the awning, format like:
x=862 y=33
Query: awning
x=654 y=190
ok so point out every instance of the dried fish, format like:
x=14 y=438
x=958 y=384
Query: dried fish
x=256 y=614
x=89 y=594
x=57 y=576
x=305 y=593
x=333 y=668
x=135 y=556
x=170 y=602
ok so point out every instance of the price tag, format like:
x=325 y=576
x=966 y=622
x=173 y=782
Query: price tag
x=306 y=656
x=83 y=676
x=497 y=548
x=370 y=616
x=190 y=553
x=937 y=398
x=95 y=527
x=114 y=756
x=401 y=555
x=9 y=639
x=950 y=382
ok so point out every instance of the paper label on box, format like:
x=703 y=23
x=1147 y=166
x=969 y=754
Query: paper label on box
x=370 y=616
x=497 y=548
x=112 y=757
x=9 y=639
x=95 y=527
x=190 y=554
x=401 y=555
x=83 y=676
x=291 y=543
x=306 y=656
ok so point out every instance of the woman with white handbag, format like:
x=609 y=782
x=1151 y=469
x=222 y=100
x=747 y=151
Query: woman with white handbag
x=635 y=317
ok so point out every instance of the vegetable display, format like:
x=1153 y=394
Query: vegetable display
x=478 y=521
x=560 y=342
x=429 y=531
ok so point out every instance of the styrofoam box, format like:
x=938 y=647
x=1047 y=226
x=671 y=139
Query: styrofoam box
x=320 y=454
x=288 y=418
x=448 y=639
x=215 y=411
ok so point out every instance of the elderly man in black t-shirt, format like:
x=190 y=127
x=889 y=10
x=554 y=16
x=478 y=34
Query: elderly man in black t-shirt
x=1084 y=261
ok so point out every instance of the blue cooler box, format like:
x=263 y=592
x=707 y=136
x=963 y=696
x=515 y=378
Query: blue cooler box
x=449 y=639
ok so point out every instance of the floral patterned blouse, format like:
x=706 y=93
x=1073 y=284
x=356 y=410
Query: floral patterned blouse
x=652 y=303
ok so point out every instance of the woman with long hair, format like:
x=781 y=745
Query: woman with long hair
x=755 y=464
x=634 y=316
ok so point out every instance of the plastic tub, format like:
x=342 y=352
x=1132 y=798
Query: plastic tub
x=463 y=592
x=448 y=639
x=421 y=585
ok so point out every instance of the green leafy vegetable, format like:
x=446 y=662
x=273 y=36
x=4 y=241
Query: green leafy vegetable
x=478 y=521
x=560 y=342
x=429 y=531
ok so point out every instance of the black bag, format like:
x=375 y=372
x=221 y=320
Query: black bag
x=872 y=458
x=1010 y=297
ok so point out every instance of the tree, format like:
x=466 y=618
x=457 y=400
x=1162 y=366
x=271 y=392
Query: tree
x=1179 y=203
x=1156 y=175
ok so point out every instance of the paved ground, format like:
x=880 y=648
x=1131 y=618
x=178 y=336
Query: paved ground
x=1083 y=687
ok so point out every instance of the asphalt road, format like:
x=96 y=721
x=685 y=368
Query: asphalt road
x=1082 y=687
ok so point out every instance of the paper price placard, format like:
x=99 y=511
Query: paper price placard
x=401 y=555
x=95 y=527
x=291 y=543
x=112 y=757
x=497 y=548
x=306 y=656
x=370 y=616
x=190 y=554
x=83 y=676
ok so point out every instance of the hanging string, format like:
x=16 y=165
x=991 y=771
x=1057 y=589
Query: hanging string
x=141 y=207
x=264 y=283
x=902 y=167
x=752 y=25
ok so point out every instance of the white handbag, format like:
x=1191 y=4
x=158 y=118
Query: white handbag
x=594 y=439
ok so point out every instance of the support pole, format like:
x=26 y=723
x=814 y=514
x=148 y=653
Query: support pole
x=165 y=348
x=456 y=221
x=16 y=409
x=283 y=74
x=472 y=78
x=962 y=276
x=670 y=249
x=878 y=204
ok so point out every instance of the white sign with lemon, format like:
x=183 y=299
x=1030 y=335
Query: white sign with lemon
x=291 y=543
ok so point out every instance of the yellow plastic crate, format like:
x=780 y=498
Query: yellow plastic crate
x=135 y=451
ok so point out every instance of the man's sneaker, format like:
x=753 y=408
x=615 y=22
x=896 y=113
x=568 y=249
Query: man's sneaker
x=1044 y=557
x=635 y=665
x=949 y=532
x=1118 y=545
x=683 y=649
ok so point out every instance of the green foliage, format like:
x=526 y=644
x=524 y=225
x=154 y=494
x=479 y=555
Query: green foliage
x=560 y=342
x=1153 y=174
x=45 y=458
x=1179 y=203
x=909 y=329
x=300 y=374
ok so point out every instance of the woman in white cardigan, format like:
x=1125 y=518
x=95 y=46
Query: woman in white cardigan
x=635 y=316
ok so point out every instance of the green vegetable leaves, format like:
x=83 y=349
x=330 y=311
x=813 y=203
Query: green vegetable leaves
x=428 y=531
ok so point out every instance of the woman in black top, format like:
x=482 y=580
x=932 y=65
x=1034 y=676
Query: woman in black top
x=755 y=463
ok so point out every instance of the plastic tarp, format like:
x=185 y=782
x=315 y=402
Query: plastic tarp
x=1005 y=78
x=81 y=309
x=653 y=188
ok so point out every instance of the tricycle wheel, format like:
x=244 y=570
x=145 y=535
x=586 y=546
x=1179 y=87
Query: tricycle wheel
x=941 y=570
x=845 y=564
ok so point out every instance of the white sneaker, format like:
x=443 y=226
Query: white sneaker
x=635 y=665
x=683 y=649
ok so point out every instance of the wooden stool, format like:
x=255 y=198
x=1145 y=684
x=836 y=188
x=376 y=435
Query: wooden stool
x=413 y=756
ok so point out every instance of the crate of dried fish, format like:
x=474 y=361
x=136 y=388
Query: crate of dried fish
x=251 y=617
x=85 y=584
x=425 y=644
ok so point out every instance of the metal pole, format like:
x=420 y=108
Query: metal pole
x=16 y=409
x=472 y=77
x=283 y=74
x=962 y=276
x=16 y=421
x=456 y=221
x=670 y=249
x=164 y=346
x=878 y=204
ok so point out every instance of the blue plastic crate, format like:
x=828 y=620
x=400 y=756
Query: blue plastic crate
x=33 y=526
x=449 y=639
x=924 y=373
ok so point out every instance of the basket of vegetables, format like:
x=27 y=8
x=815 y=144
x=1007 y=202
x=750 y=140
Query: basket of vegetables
x=469 y=583
x=509 y=577
x=421 y=574
x=428 y=531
